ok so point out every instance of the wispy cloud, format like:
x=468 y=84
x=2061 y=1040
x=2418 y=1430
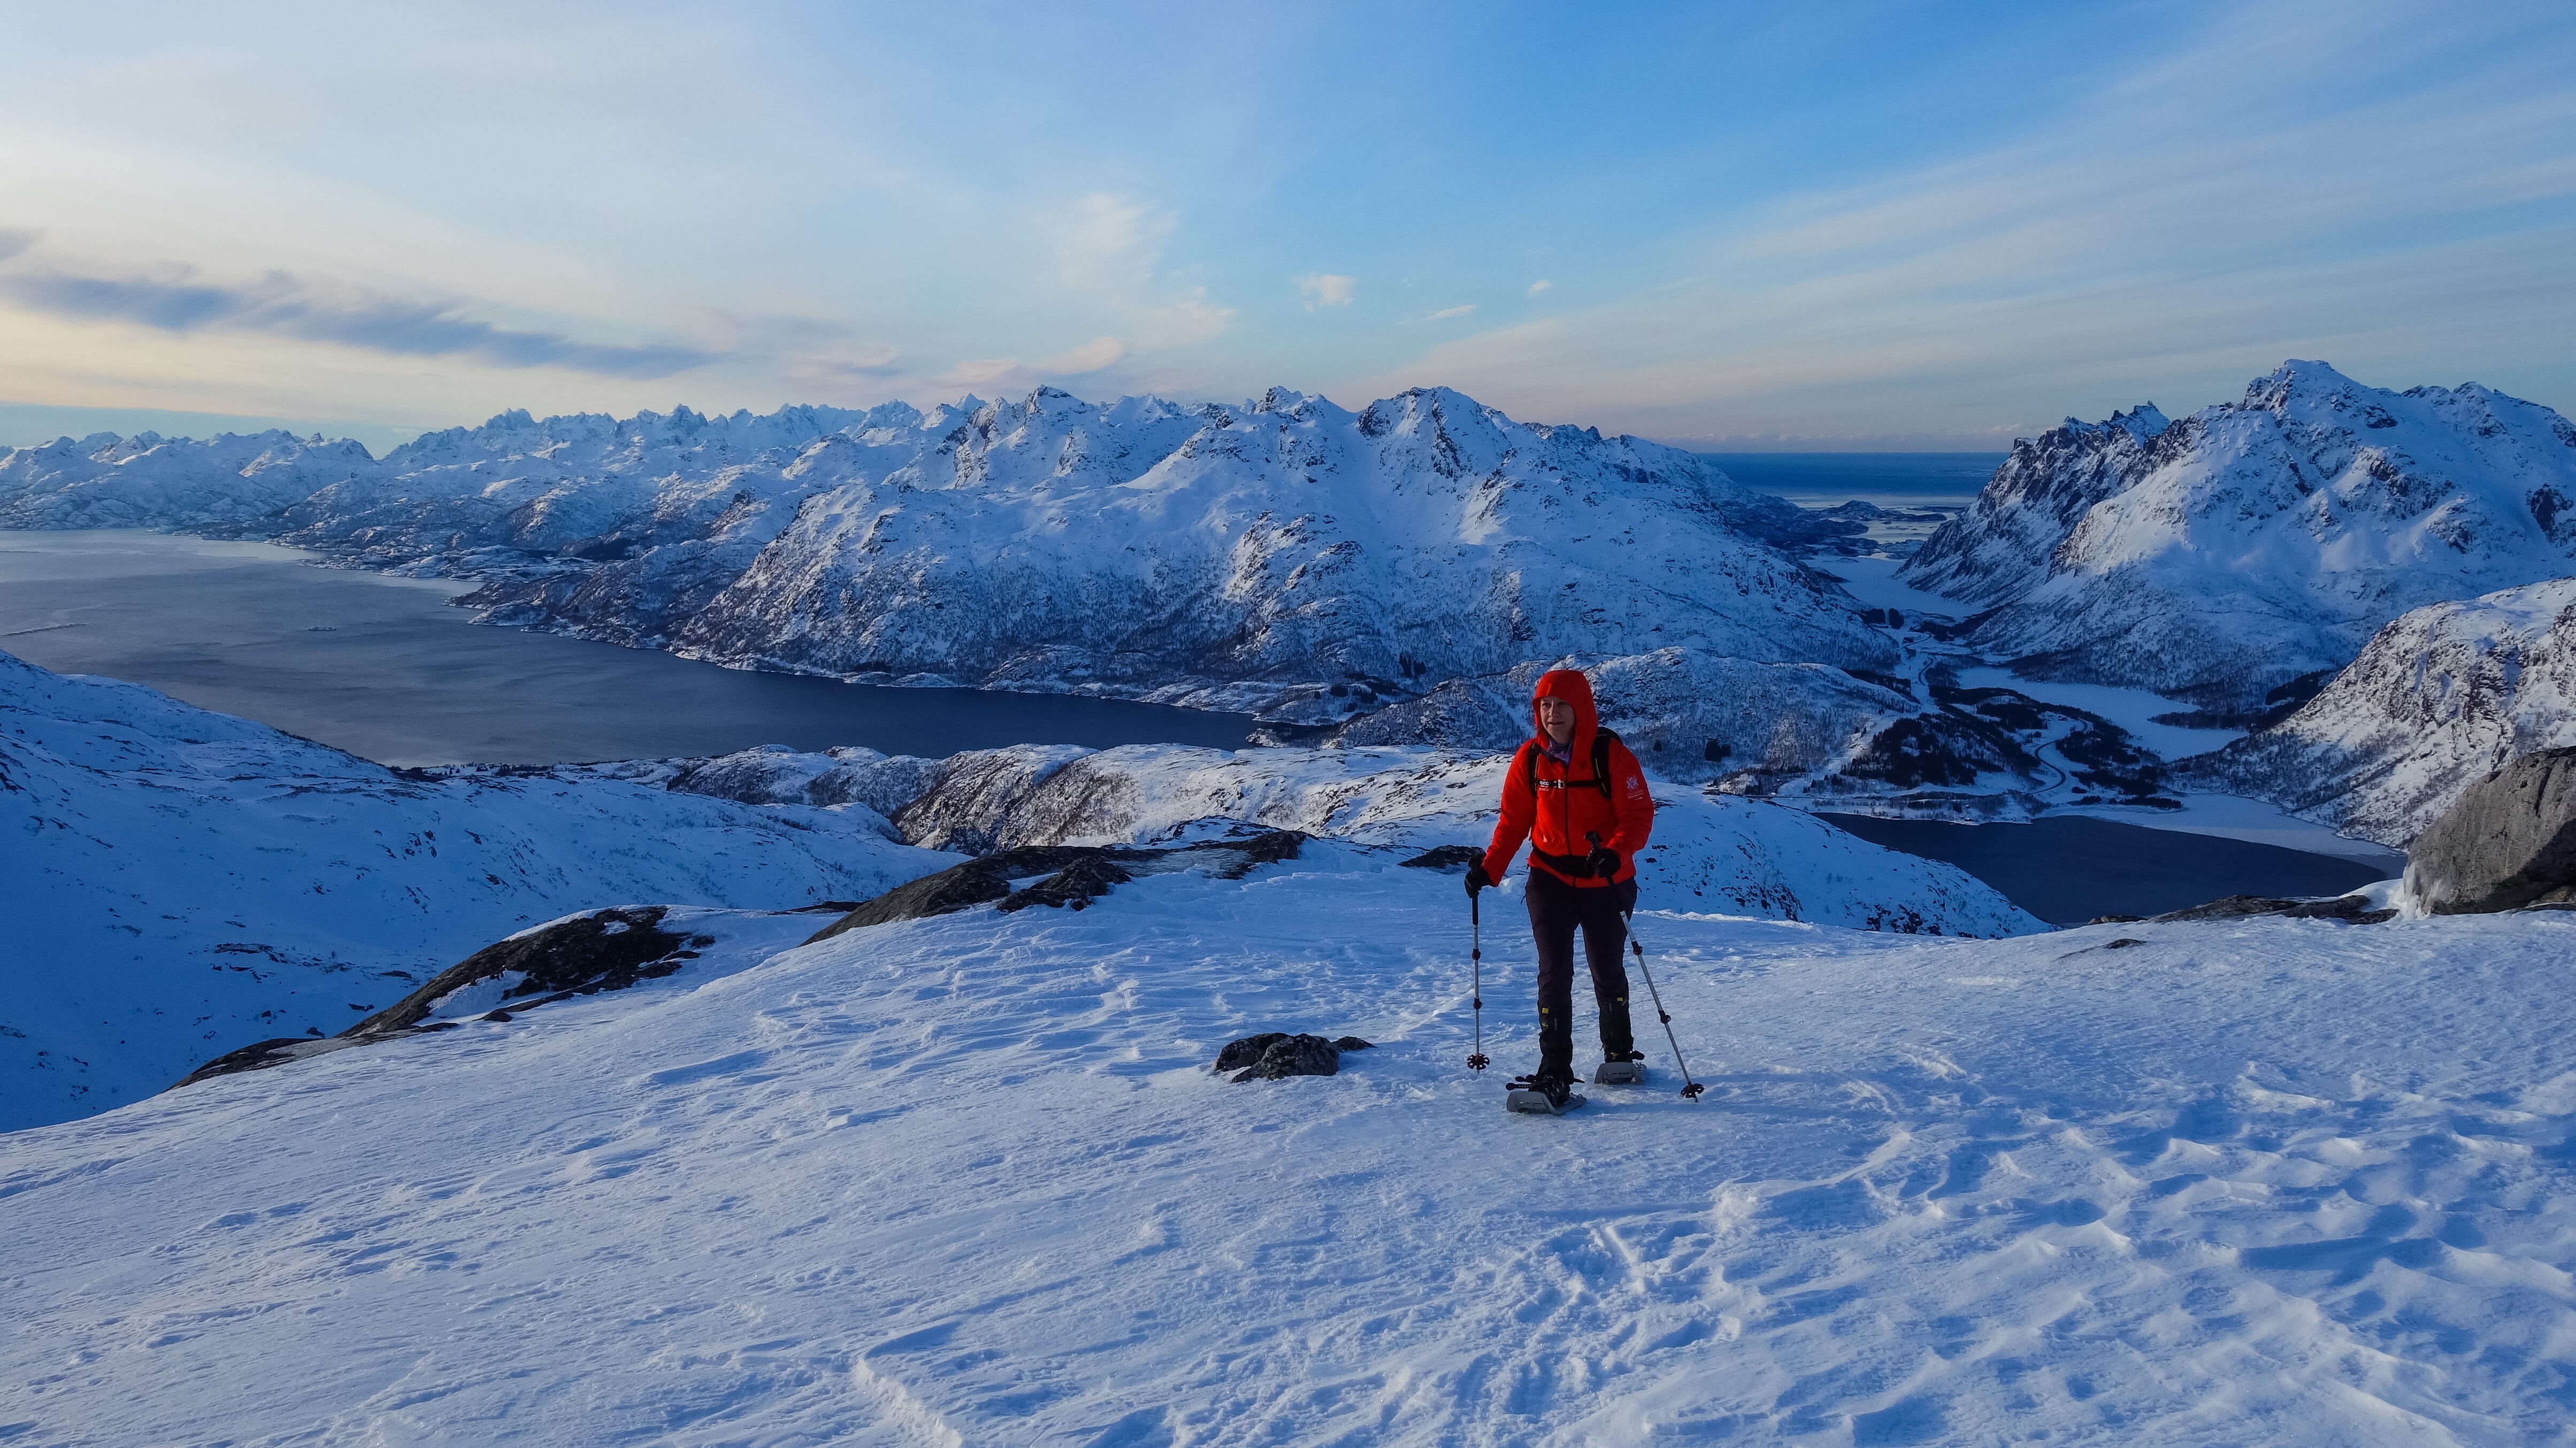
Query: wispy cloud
x=1109 y=251
x=1445 y=313
x=284 y=305
x=2250 y=195
x=1324 y=289
x=1091 y=356
x=1538 y=286
x=13 y=242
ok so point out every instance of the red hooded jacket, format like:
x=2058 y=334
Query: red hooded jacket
x=1555 y=805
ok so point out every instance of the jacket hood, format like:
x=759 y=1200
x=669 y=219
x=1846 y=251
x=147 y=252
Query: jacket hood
x=1571 y=686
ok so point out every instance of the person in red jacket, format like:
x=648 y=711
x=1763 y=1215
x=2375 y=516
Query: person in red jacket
x=1577 y=795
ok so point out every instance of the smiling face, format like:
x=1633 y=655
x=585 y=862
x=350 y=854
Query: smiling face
x=1557 y=717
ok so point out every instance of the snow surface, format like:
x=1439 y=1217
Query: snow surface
x=2231 y=551
x=967 y=1180
x=178 y=883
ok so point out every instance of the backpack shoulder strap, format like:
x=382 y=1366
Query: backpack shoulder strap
x=1602 y=739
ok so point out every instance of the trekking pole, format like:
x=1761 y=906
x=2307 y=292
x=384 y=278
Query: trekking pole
x=1690 y=1089
x=1476 y=954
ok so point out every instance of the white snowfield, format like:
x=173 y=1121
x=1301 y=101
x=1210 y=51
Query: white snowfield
x=2217 y=557
x=178 y=883
x=1247 y=557
x=2438 y=700
x=182 y=883
x=966 y=1180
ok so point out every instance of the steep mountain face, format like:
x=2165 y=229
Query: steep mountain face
x=2223 y=555
x=1286 y=556
x=2436 y=701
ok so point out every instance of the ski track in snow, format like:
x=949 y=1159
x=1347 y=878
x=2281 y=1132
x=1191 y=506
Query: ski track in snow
x=965 y=1180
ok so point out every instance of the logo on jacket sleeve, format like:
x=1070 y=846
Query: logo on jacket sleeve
x=1636 y=785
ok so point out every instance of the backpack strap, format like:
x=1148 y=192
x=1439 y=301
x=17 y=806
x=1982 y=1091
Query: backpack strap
x=1602 y=739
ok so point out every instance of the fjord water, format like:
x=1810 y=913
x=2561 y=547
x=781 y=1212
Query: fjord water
x=384 y=668
x=1891 y=480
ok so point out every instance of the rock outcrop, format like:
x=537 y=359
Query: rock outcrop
x=583 y=954
x=2508 y=843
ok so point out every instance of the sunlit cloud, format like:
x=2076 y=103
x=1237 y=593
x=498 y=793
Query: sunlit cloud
x=1445 y=313
x=285 y=305
x=1323 y=289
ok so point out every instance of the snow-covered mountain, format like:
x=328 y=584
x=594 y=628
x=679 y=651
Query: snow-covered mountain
x=968 y=1179
x=1257 y=557
x=186 y=883
x=2221 y=556
x=2438 y=699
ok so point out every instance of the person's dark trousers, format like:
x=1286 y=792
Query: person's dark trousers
x=1555 y=909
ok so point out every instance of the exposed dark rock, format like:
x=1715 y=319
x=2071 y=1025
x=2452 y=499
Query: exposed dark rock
x=603 y=950
x=1273 y=1055
x=2510 y=841
x=1075 y=875
x=1286 y=1056
x=1241 y=1053
x=2123 y=943
x=1449 y=859
x=2352 y=908
x=1077 y=885
x=2115 y=919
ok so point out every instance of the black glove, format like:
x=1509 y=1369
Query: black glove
x=1604 y=862
x=1477 y=879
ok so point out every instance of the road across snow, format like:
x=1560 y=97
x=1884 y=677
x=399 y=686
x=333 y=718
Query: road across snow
x=965 y=1180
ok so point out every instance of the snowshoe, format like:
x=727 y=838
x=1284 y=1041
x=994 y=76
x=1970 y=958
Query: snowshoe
x=1544 y=1098
x=1627 y=1070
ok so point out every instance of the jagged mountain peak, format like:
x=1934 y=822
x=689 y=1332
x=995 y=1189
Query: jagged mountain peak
x=2219 y=556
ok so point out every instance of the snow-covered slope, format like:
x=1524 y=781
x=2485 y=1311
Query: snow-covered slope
x=2438 y=700
x=1710 y=852
x=178 y=883
x=966 y=1180
x=2225 y=554
x=187 y=883
x=1255 y=556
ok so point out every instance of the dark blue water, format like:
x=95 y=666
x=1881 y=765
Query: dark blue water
x=384 y=668
x=2067 y=869
x=1814 y=480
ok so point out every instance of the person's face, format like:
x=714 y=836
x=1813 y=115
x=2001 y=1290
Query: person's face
x=1557 y=717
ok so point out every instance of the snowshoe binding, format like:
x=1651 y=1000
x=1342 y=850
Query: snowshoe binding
x=1625 y=1069
x=1544 y=1095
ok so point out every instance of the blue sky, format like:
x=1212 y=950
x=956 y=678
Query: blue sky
x=1735 y=226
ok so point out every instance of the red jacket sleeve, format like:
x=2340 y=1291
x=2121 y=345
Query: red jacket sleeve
x=1632 y=803
x=1520 y=807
